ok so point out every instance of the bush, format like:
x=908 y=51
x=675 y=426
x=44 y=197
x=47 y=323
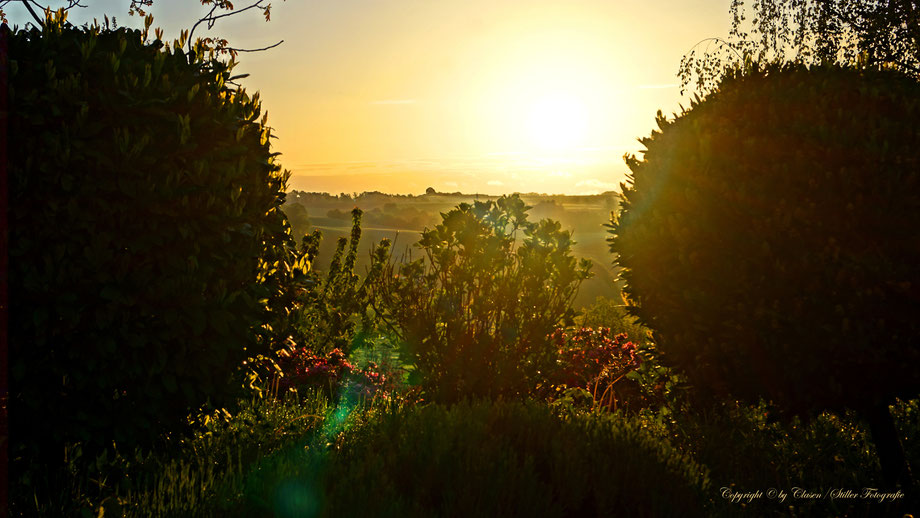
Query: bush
x=613 y=314
x=482 y=459
x=147 y=251
x=475 y=311
x=746 y=449
x=188 y=479
x=769 y=237
x=598 y=363
x=299 y=370
x=327 y=305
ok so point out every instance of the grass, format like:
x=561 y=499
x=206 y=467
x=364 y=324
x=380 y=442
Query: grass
x=179 y=477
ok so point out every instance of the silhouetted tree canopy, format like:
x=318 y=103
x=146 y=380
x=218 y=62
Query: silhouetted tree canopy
x=219 y=9
x=148 y=252
x=769 y=236
x=873 y=32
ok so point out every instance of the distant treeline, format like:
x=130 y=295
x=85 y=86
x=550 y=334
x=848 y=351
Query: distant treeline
x=584 y=214
x=406 y=215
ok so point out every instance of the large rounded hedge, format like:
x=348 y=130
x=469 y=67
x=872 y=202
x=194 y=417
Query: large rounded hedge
x=145 y=235
x=481 y=459
x=770 y=236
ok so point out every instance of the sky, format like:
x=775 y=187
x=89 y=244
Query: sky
x=477 y=96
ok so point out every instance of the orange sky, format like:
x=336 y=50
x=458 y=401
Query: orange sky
x=488 y=96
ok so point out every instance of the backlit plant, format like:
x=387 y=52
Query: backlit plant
x=473 y=313
x=299 y=369
x=597 y=361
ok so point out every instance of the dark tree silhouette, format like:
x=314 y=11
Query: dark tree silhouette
x=873 y=32
x=213 y=45
x=148 y=251
x=769 y=237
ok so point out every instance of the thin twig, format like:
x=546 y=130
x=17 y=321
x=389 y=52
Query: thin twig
x=232 y=49
x=211 y=18
x=192 y=31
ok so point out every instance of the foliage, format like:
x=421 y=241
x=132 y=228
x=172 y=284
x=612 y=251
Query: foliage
x=321 y=329
x=768 y=237
x=299 y=369
x=481 y=459
x=327 y=304
x=189 y=478
x=845 y=32
x=762 y=276
x=475 y=311
x=148 y=253
x=596 y=362
x=277 y=456
x=298 y=217
x=612 y=314
x=213 y=46
x=747 y=449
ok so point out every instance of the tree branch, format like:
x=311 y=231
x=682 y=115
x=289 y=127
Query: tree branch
x=232 y=49
x=32 y=12
x=212 y=18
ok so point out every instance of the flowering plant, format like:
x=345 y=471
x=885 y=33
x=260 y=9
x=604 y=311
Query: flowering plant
x=595 y=361
x=297 y=368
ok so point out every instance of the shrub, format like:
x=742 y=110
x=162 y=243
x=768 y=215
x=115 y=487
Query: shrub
x=746 y=449
x=298 y=370
x=482 y=459
x=597 y=362
x=186 y=480
x=327 y=305
x=148 y=252
x=475 y=311
x=614 y=314
x=769 y=237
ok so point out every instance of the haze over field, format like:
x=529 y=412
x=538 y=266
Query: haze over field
x=473 y=96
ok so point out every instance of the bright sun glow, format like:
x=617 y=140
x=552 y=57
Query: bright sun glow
x=549 y=95
x=557 y=122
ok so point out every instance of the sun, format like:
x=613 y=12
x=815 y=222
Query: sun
x=557 y=122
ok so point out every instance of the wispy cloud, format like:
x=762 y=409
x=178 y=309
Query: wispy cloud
x=596 y=184
x=394 y=101
x=495 y=183
x=658 y=86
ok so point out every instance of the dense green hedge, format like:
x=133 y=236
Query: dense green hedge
x=770 y=237
x=146 y=238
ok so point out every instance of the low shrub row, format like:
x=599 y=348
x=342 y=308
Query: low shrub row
x=480 y=459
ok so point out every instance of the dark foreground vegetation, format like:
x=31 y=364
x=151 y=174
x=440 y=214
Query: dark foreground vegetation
x=176 y=351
